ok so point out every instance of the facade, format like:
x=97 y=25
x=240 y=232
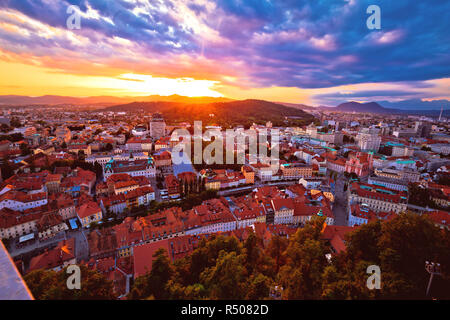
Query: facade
x=173 y=186
x=378 y=199
x=157 y=126
x=162 y=143
x=311 y=183
x=49 y=225
x=15 y=224
x=391 y=173
x=137 y=144
x=20 y=201
x=125 y=186
x=262 y=171
x=212 y=184
x=52 y=182
x=402 y=151
x=140 y=131
x=359 y=163
x=443 y=148
x=284 y=211
x=222 y=179
x=368 y=141
x=395 y=184
x=76 y=148
x=88 y=213
x=247 y=218
x=118 y=203
x=133 y=167
x=249 y=174
x=359 y=214
x=336 y=165
x=296 y=170
x=212 y=216
x=104 y=158
x=335 y=138
x=164 y=159
x=423 y=129
x=66 y=208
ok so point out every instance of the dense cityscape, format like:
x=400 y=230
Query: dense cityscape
x=224 y=158
x=99 y=189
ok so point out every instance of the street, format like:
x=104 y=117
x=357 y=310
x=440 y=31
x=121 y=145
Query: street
x=81 y=245
x=340 y=203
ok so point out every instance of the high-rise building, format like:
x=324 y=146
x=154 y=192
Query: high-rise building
x=157 y=126
x=368 y=141
x=423 y=129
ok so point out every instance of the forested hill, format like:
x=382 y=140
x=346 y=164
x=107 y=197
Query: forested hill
x=243 y=112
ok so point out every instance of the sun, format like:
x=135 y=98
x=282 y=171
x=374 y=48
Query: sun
x=188 y=87
x=40 y=80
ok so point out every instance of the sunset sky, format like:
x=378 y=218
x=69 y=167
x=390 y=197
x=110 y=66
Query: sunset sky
x=313 y=52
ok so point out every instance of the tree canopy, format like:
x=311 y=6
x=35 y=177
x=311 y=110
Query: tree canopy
x=225 y=268
x=52 y=285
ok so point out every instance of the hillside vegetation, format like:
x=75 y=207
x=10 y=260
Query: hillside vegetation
x=224 y=268
x=243 y=112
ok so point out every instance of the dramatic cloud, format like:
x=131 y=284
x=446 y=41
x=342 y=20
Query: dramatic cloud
x=241 y=43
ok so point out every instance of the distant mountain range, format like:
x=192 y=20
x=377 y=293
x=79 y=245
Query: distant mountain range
x=14 y=100
x=374 y=107
x=413 y=106
x=417 y=104
x=352 y=106
x=370 y=107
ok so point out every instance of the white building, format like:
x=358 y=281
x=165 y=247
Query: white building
x=284 y=211
x=20 y=201
x=368 y=141
x=157 y=126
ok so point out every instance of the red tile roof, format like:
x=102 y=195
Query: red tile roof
x=65 y=251
x=88 y=209
x=440 y=217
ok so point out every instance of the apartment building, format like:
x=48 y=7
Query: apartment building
x=296 y=170
x=133 y=167
x=377 y=198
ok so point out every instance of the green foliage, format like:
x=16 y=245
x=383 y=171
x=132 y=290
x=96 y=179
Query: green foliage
x=226 y=114
x=400 y=247
x=301 y=276
x=224 y=268
x=258 y=287
x=51 y=285
x=226 y=279
x=154 y=283
x=420 y=196
x=187 y=203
